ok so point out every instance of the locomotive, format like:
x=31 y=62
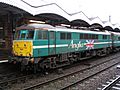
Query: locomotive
x=40 y=46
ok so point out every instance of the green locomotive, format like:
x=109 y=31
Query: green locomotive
x=44 y=46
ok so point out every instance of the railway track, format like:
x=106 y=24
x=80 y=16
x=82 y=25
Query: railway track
x=18 y=79
x=9 y=82
x=10 y=75
x=68 y=80
x=112 y=84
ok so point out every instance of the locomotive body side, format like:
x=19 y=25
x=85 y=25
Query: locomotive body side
x=60 y=41
x=79 y=40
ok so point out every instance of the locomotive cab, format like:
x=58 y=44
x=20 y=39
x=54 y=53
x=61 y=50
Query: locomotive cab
x=28 y=43
x=22 y=44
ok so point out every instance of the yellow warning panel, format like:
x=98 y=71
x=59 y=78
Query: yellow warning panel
x=22 y=48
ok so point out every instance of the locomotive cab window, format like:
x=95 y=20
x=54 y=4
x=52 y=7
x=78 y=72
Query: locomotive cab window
x=30 y=35
x=24 y=34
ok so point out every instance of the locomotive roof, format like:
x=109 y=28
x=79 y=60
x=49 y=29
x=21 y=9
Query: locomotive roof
x=48 y=27
x=35 y=26
x=80 y=31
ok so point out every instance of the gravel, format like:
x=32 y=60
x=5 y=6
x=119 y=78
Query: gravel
x=91 y=84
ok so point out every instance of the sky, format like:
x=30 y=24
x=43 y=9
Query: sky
x=102 y=8
x=92 y=8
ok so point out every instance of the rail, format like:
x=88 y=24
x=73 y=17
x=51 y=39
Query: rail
x=111 y=84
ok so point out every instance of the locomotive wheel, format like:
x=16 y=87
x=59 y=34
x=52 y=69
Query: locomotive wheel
x=99 y=53
x=71 y=60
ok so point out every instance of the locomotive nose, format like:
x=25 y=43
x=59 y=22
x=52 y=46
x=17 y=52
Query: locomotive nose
x=22 y=48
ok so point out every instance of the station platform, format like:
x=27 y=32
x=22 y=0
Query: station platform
x=3 y=58
x=4 y=54
x=3 y=61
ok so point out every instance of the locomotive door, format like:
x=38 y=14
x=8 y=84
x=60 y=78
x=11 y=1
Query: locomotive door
x=51 y=43
x=112 y=38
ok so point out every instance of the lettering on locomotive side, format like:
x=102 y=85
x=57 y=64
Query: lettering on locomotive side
x=89 y=44
x=76 y=45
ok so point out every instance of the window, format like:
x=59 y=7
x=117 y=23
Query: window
x=93 y=36
x=17 y=35
x=30 y=35
x=52 y=35
x=85 y=36
x=42 y=34
x=62 y=35
x=89 y=36
x=119 y=38
x=65 y=36
x=104 y=36
x=24 y=34
x=39 y=35
x=68 y=35
x=81 y=36
x=96 y=36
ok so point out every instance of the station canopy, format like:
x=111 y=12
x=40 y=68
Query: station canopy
x=47 y=10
